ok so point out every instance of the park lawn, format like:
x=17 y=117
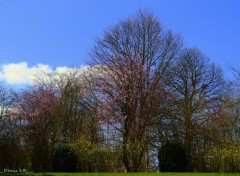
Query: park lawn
x=124 y=174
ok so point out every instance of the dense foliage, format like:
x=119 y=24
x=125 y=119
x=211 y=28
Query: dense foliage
x=172 y=158
x=64 y=159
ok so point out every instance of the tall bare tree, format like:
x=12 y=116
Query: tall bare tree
x=132 y=58
x=197 y=88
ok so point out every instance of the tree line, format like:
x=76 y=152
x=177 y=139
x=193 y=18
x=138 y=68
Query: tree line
x=142 y=91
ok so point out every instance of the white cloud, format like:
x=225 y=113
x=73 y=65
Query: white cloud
x=64 y=69
x=22 y=73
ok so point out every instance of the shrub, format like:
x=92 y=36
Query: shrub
x=172 y=158
x=64 y=159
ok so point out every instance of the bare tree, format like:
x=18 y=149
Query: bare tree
x=197 y=88
x=70 y=112
x=132 y=59
x=9 y=132
x=35 y=112
x=71 y=109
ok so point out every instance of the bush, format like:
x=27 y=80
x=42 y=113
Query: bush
x=64 y=159
x=172 y=158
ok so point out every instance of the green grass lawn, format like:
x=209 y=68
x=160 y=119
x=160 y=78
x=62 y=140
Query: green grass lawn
x=123 y=174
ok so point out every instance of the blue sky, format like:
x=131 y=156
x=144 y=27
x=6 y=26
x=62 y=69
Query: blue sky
x=56 y=34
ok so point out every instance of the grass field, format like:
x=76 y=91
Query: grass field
x=122 y=174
